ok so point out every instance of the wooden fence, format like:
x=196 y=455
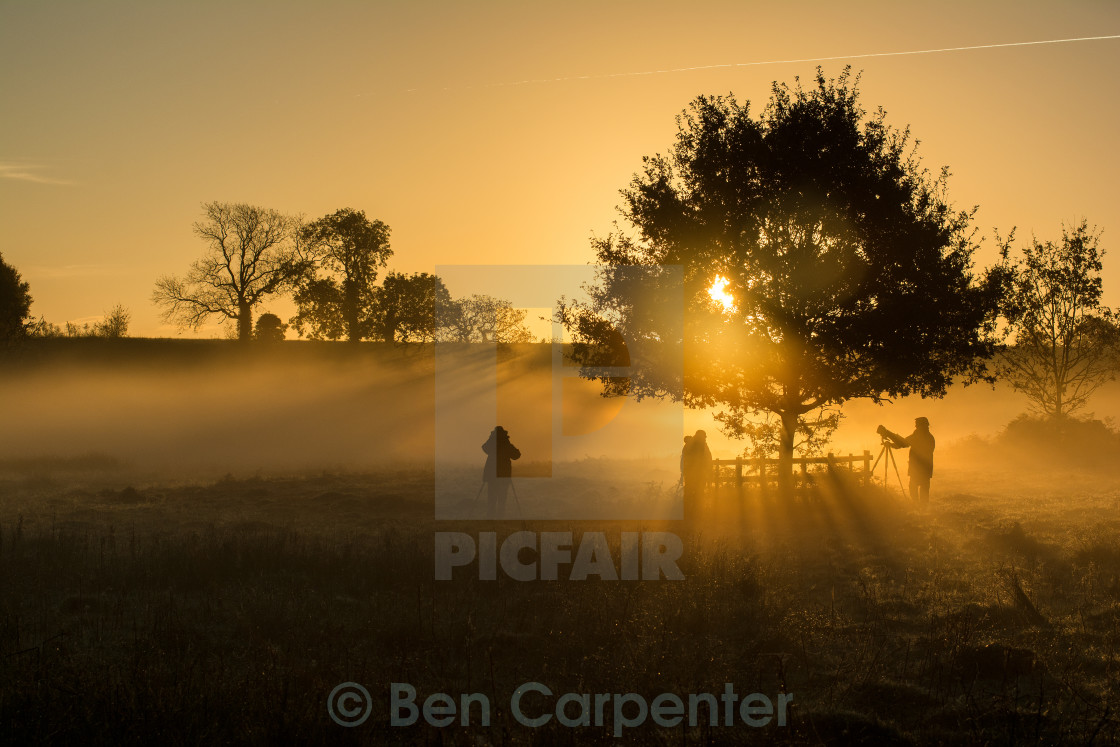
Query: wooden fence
x=737 y=474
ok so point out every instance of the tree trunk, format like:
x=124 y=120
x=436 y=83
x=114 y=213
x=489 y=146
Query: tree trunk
x=350 y=301
x=785 y=452
x=244 y=322
x=391 y=325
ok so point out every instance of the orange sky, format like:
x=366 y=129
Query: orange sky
x=118 y=119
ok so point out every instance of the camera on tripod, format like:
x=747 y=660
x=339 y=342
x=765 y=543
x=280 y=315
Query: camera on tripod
x=888 y=439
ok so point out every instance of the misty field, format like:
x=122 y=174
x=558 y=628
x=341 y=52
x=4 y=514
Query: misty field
x=198 y=544
x=227 y=611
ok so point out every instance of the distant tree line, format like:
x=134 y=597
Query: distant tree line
x=331 y=268
x=113 y=325
x=16 y=322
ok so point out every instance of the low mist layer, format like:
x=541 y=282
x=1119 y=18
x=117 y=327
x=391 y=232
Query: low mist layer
x=181 y=407
x=188 y=408
x=203 y=408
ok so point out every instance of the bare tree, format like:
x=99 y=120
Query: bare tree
x=481 y=318
x=251 y=253
x=1062 y=343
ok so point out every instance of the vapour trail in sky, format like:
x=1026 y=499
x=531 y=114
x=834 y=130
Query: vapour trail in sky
x=759 y=63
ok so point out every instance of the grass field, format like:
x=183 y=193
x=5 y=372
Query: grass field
x=146 y=598
x=136 y=612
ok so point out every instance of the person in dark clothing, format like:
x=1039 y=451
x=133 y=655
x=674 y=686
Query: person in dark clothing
x=684 y=452
x=920 y=464
x=696 y=468
x=498 y=471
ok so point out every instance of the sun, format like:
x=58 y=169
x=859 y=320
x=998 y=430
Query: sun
x=719 y=294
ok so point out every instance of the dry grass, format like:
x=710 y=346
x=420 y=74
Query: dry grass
x=135 y=613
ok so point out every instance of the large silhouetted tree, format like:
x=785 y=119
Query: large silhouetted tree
x=350 y=249
x=251 y=253
x=847 y=272
x=15 y=304
x=1062 y=343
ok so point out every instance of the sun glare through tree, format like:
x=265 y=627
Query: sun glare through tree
x=719 y=294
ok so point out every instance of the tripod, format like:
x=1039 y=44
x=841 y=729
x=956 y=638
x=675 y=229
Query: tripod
x=888 y=452
x=516 y=500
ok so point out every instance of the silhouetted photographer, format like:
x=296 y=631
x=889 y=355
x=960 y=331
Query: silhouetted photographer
x=920 y=464
x=498 y=471
x=696 y=469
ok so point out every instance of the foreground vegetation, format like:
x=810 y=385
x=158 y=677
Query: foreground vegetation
x=227 y=612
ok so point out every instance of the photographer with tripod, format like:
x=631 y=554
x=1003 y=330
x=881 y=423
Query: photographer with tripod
x=920 y=464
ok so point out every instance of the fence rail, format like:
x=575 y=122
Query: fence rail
x=739 y=473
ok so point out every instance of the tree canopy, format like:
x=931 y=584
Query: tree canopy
x=407 y=307
x=320 y=315
x=15 y=303
x=350 y=249
x=820 y=261
x=269 y=328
